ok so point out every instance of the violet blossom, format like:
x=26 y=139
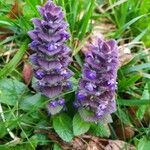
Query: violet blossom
x=95 y=98
x=51 y=56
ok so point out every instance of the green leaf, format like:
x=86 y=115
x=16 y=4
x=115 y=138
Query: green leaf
x=56 y=147
x=145 y=75
x=86 y=19
x=128 y=24
x=33 y=5
x=126 y=82
x=3 y=130
x=41 y=139
x=26 y=146
x=79 y=60
x=144 y=144
x=138 y=37
x=137 y=68
x=8 y=68
x=146 y=95
x=116 y=4
x=9 y=123
x=133 y=21
x=4 y=22
x=133 y=102
x=11 y=91
x=100 y=130
x=123 y=116
x=79 y=125
x=32 y=102
x=63 y=126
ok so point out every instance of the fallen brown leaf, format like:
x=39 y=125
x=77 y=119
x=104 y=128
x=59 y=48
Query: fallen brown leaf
x=125 y=55
x=87 y=142
x=5 y=34
x=118 y=145
x=27 y=73
x=15 y=10
x=125 y=132
x=132 y=111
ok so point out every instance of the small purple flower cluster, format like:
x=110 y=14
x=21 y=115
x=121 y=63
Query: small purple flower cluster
x=56 y=106
x=97 y=86
x=51 y=55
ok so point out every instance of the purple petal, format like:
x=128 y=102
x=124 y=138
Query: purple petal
x=51 y=91
x=52 y=79
x=48 y=65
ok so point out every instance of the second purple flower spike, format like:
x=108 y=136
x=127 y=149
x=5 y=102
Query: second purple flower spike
x=96 y=95
x=51 y=55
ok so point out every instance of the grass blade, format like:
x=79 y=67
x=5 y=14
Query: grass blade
x=128 y=24
x=86 y=20
x=133 y=102
x=127 y=82
x=137 y=68
x=8 y=68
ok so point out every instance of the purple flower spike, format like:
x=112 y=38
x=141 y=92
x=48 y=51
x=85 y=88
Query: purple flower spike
x=95 y=98
x=51 y=56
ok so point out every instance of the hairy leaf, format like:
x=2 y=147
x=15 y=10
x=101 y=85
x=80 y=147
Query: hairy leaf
x=63 y=126
x=79 y=125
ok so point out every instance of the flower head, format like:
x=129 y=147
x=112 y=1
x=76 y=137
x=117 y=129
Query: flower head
x=51 y=55
x=96 y=95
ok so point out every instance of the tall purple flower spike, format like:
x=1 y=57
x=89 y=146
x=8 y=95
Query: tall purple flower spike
x=51 y=55
x=95 y=98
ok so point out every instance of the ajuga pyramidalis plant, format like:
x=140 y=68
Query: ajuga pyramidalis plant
x=51 y=55
x=95 y=98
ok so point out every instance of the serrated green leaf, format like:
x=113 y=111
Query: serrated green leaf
x=63 y=126
x=11 y=91
x=79 y=125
